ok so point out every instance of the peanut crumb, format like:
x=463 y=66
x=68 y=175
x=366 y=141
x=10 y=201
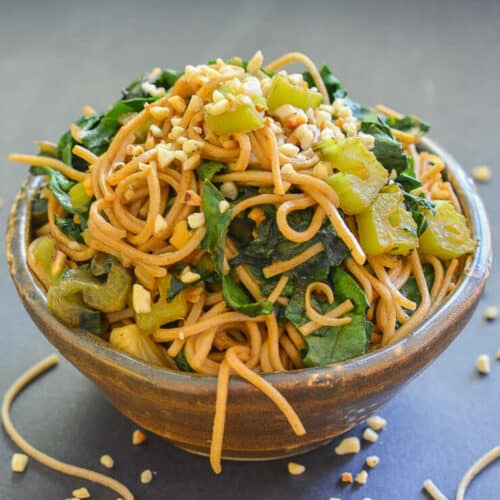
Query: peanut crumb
x=483 y=364
x=296 y=469
x=348 y=445
x=146 y=476
x=107 y=461
x=362 y=477
x=491 y=313
x=346 y=477
x=19 y=462
x=81 y=493
x=482 y=173
x=376 y=423
x=138 y=437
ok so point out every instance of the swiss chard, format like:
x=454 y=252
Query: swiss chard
x=70 y=228
x=410 y=124
x=410 y=289
x=331 y=344
x=332 y=83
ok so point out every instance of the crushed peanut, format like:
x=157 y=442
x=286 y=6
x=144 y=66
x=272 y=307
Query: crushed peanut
x=229 y=190
x=81 y=493
x=187 y=276
x=491 y=313
x=483 y=364
x=362 y=477
x=146 y=476
x=346 y=477
x=348 y=445
x=138 y=437
x=196 y=220
x=160 y=224
x=372 y=461
x=287 y=169
x=19 y=462
x=482 y=173
x=498 y=354
x=107 y=461
x=255 y=63
x=370 y=435
x=223 y=206
x=376 y=422
x=156 y=131
x=141 y=299
x=296 y=469
x=159 y=113
x=289 y=149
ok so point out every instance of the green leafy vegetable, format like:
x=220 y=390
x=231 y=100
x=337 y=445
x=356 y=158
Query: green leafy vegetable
x=332 y=84
x=237 y=299
x=68 y=226
x=331 y=344
x=182 y=362
x=410 y=288
x=410 y=124
x=208 y=169
x=414 y=204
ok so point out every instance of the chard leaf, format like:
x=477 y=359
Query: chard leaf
x=410 y=124
x=337 y=343
x=410 y=288
x=208 y=169
x=182 y=362
x=332 y=83
x=237 y=299
x=72 y=230
x=59 y=185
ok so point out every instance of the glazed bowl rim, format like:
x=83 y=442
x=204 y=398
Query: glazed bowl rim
x=380 y=359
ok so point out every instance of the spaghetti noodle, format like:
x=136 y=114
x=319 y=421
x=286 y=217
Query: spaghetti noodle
x=206 y=233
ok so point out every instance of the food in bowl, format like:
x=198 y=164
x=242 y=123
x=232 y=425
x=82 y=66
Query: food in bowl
x=235 y=218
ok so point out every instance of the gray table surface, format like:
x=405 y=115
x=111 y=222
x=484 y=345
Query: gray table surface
x=438 y=59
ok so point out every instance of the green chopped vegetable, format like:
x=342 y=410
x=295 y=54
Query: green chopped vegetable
x=409 y=124
x=244 y=118
x=386 y=226
x=282 y=91
x=41 y=253
x=361 y=175
x=447 y=235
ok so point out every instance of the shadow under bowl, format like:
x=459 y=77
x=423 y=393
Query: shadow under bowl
x=329 y=399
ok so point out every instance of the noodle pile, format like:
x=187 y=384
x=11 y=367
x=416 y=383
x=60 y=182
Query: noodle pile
x=147 y=213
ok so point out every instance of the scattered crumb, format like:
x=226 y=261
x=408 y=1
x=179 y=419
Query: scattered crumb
x=370 y=435
x=335 y=498
x=19 y=462
x=376 y=423
x=107 y=461
x=1 y=202
x=372 y=461
x=296 y=469
x=146 y=476
x=81 y=493
x=491 y=313
x=482 y=173
x=346 y=477
x=362 y=477
x=483 y=364
x=498 y=354
x=138 y=437
x=433 y=490
x=348 y=445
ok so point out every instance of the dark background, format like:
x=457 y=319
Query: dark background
x=438 y=59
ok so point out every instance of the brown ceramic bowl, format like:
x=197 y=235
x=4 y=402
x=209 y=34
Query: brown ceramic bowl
x=330 y=399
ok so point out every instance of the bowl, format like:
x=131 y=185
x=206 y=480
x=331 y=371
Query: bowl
x=330 y=399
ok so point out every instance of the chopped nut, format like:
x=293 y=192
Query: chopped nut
x=187 y=276
x=217 y=108
x=295 y=469
x=376 y=423
x=433 y=490
x=156 y=131
x=305 y=135
x=146 y=476
x=255 y=63
x=164 y=156
x=370 y=435
x=483 y=364
x=491 y=313
x=160 y=224
x=19 y=462
x=322 y=170
x=481 y=173
x=229 y=190
x=141 y=299
x=372 y=461
x=362 y=477
x=181 y=336
x=498 y=354
x=217 y=96
x=289 y=149
x=348 y=445
x=191 y=146
x=81 y=493
x=346 y=477
x=176 y=132
x=223 y=206
x=159 y=113
x=107 y=461
x=138 y=437
x=196 y=220
x=177 y=103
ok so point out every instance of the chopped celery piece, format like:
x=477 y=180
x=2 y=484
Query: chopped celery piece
x=130 y=340
x=163 y=312
x=361 y=175
x=282 y=91
x=110 y=296
x=41 y=253
x=244 y=118
x=386 y=226
x=79 y=198
x=447 y=235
